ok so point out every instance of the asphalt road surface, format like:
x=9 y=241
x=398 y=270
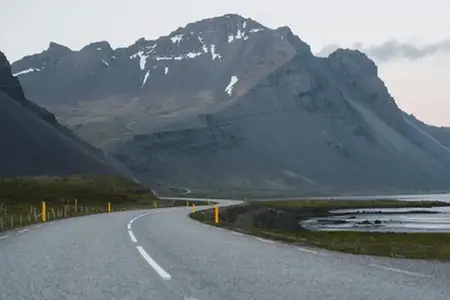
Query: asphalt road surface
x=163 y=254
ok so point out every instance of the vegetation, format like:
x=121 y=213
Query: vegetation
x=403 y=245
x=76 y=195
x=271 y=220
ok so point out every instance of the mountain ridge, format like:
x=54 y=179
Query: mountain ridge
x=196 y=108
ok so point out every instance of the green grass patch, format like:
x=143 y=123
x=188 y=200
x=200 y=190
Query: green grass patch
x=403 y=245
x=76 y=195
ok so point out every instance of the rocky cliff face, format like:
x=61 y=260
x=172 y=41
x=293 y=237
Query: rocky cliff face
x=227 y=103
x=33 y=142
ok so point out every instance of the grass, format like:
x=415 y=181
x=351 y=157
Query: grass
x=434 y=246
x=76 y=195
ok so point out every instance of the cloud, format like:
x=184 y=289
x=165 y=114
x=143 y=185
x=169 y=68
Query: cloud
x=394 y=50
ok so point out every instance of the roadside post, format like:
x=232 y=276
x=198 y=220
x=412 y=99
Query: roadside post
x=216 y=215
x=44 y=212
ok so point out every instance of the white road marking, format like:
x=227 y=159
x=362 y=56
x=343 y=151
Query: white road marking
x=236 y=233
x=22 y=231
x=218 y=228
x=161 y=272
x=310 y=251
x=132 y=237
x=38 y=226
x=129 y=226
x=399 y=270
x=4 y=237
x=51 y=223
x=264 y=240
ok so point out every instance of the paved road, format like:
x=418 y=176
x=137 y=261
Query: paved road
x=162 y=254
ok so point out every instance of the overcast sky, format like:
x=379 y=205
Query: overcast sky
x=409 y=40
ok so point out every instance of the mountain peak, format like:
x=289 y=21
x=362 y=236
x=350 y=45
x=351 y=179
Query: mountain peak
x=228 y=23
x=355 y=61
x=98 y=46
x=55 y=47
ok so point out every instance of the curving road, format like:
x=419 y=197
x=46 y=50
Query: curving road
x=163 y=254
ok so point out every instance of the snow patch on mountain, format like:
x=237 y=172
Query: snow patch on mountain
x=145 y=78
x=242 y=34
x=230 y=86
x=214 y=54
x=142 y=57
x=189 y=55
x=26 y=71
x=176 y=39
x=104 y=62
x=193 y=54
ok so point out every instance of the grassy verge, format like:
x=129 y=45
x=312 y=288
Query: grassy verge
x=77 y=195
x=279 y=221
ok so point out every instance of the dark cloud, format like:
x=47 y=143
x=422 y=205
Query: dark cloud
x=393 y=50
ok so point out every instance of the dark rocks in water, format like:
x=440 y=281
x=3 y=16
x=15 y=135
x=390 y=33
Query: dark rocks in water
x=331 y=222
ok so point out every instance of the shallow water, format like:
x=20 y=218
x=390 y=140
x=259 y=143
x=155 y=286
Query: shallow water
x=437 y=220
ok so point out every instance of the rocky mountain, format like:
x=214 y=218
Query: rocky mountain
x=227 y=104
x=34 y=143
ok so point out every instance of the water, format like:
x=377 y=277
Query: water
x=434 y=219
x=432 y=197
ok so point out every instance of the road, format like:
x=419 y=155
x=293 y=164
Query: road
x=163 y=254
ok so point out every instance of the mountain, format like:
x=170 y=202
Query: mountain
x=34 y=143
x=227 y=104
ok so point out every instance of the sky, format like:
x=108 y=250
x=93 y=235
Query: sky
x=409 y=40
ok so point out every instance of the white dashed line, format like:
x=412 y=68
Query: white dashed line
x=38 y=226
x=236 y=233
x=310 y=251
x=132 y=237
x=129 y=226
x=161 y=272
x=264 y=240
x=22 y=231
x=399 y=270
x=4 y=237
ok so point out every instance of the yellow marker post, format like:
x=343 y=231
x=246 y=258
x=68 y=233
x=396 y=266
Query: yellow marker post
x=109 y=207
x=216 y=215
x=193 y=208
x=187 y=203
x=155 y=205
x=44 y=212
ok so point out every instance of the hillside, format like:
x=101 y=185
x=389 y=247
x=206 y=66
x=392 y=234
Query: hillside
x=34 y=143
x=227 y=104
